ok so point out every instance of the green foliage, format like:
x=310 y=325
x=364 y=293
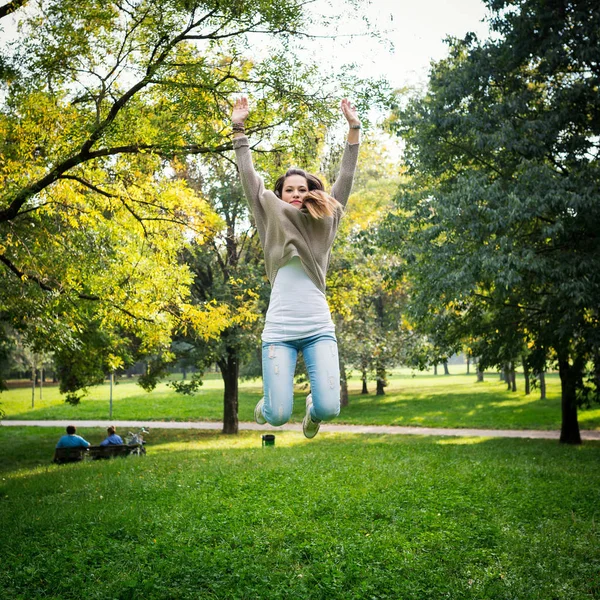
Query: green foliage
x=497 y=226
x=413 y=399
x=208 y=516
x=83 y=364
x=99 y=101
x=367 y=304
x=73 y=399
x=6 y=347
x=187 y=388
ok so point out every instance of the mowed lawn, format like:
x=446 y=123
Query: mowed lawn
x=416 y=399
x=207 y=516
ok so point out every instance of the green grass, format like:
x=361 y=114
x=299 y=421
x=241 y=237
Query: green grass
x=420 y=399
x=205 y=516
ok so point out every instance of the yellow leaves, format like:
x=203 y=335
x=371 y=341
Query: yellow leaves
x=114 y=362
x=207 y=321
x=406 y=324
x=245 y=314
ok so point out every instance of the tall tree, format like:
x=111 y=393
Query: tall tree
x=366 y=303
x=501 y=217
x=228 y=271
x=97 y=100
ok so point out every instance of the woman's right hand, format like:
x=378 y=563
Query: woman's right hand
x=240 y=110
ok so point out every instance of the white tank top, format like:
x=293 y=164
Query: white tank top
x=297 y=308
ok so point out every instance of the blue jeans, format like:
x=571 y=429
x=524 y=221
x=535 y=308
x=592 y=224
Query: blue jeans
x=278 y=366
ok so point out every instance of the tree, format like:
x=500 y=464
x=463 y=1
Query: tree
x=229 y=272
x=367 y=304
x=98 y=99
x=501 y=216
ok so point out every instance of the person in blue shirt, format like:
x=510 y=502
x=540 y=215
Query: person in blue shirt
x=71 y=440
x=112 y=438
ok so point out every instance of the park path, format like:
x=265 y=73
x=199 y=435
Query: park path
x=329 y=427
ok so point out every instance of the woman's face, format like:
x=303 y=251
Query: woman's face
x=295 y=188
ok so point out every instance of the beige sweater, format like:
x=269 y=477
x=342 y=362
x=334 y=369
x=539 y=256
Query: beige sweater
x=284 y=230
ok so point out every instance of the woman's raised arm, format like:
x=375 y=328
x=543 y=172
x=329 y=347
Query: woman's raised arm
x=251 y=182
x=239 y=116
x=343 y=184
x=351 y=115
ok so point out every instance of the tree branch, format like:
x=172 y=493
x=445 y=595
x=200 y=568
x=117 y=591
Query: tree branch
x=11 y=7
x=21 y=275
x=89 y=185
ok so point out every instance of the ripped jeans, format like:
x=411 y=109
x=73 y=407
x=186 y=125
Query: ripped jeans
x=278 y=366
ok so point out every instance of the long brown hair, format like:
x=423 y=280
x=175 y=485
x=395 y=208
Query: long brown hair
x=318 y=202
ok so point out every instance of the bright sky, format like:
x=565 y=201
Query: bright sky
x=415 y=28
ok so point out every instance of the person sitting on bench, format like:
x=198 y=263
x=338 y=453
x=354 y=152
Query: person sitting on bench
x=71 y=440
x=113 y=439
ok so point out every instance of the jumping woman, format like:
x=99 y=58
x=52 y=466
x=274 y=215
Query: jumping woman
x=297 y=223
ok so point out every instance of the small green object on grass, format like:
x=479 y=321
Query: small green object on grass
x=268 y=439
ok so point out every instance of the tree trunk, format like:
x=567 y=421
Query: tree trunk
x=502 y=374
x=569 y=374
x=230 y=367
x=364 y=371
x=33 y=377
x=479 y=373
x=468 y=365
x=343 y=383
x=513 y=377
x=507 y=376
x=435 y=369
x=527 y=378
x=381 y=382
x=542 y=379
x=446 y=372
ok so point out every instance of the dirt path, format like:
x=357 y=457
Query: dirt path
x=379 y=429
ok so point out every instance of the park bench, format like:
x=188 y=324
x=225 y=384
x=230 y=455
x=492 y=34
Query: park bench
x=66 y=455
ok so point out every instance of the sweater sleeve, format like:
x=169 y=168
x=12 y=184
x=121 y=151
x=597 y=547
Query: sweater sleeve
x=343 y=184
x=252 y=183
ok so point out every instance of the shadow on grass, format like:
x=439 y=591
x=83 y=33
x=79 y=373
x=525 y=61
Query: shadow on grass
x=28 y=451
x=488 y=405
x=205 y=515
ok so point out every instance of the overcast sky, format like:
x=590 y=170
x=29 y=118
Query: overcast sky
x=416 y=28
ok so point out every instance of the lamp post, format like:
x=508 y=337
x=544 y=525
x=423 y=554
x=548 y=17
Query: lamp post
x=112 y=378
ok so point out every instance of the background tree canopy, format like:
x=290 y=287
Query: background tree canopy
x=101 y=104
x=499 y=223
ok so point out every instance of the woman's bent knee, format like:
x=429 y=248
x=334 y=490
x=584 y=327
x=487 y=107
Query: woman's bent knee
x=276 y=415
x=327 y=412
x=277 y=422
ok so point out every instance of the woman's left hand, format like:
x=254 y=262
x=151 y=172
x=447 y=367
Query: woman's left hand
x=350 y=112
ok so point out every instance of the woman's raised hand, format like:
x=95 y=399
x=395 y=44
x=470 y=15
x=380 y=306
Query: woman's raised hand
x=350 y=113
x=240 y=110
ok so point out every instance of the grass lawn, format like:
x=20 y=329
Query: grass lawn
x=418 y=399
x=206 y=516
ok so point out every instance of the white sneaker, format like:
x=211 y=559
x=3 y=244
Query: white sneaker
x=258 y=413
x=309 y=427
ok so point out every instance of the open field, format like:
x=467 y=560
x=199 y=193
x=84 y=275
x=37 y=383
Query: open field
x=417 y=399
x=206 y=516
